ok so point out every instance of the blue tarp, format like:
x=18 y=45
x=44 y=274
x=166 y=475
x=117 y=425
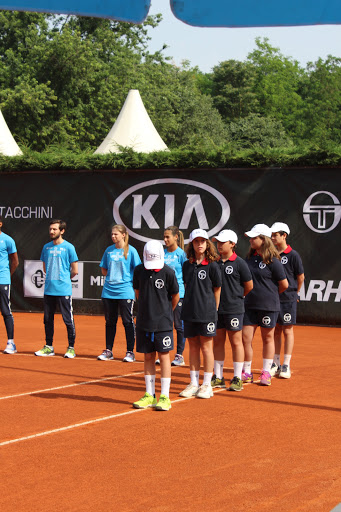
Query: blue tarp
x=134 y=11
x=256 y=13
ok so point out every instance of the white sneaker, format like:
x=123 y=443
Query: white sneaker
x=274 y=370
x=285 y=372
x=129 y=358
x=189 y=391
x=10 y=348
x=205 y=391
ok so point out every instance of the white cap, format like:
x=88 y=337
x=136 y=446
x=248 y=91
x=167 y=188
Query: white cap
x=227 y=235
x=280 y=226
x=196 y=233
x=259 y=229
x=153 y=255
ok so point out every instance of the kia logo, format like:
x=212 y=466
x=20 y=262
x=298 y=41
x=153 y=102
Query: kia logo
x=169 y=201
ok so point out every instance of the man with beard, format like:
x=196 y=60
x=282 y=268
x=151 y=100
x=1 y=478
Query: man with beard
x=60 y=265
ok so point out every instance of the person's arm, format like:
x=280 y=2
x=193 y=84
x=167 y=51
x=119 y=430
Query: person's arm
x=74 y=269
x=248 y=285
x=282 y=285
x=104 y=271
x=216 y=292
x=13 y=262
x=175 y=300
x=137 y=294
x=300 y=280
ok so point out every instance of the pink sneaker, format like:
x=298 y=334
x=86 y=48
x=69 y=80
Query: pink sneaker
x=265 y=378
x=247 y=377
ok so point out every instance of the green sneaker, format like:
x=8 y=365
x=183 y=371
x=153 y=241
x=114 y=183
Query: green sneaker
x=236 y=384
x=45 y=351
x=217 y=383
x=70 y=353
x=164 y=403
x=146 y=401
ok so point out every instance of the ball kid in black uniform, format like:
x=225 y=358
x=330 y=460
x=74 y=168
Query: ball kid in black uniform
x=202 y=278
x=157 y=292
x=293 y=268
x=262 y=303
x=236 y=284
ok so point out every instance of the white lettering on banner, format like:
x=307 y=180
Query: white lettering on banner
x=97 y=280
x=194 y=207
x=321 y=290
x=321 y=212
x=26 y=212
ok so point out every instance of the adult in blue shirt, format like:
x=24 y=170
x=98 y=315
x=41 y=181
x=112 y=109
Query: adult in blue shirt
x=117 y=265
x=8 y=263
x=175 y=257
x=60 y=264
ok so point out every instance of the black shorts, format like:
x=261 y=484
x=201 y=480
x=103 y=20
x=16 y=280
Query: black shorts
x=230 y=322
x=262 y=318
x=193 y=329
x=287 y=314
x=148 y=342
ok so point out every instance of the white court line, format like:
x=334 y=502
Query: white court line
x=70 y=385
x=89 y=422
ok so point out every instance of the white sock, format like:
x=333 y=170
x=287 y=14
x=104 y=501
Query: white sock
x=247 y=366
x=277 y=359
x=207 y=378
x=194 y=377
x=286 y=360
x=237 y=369
x=10 y=341
x=150 y=384
x=218 y=369
x=267 y=364
x=165 y=385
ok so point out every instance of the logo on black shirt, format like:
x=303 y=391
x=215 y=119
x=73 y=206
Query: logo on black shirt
x=159 y=284
x=284 y=260
x=202 y=274
x=262 y=265
x=229 y=269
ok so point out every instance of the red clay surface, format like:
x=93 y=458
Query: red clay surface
x=274 y=449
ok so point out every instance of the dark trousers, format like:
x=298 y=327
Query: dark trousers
x=65 y=306
x=5 y=307
x=179 y=327
x=111 y=316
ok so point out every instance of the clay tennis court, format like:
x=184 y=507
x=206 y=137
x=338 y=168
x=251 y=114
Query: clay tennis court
x=71 y=441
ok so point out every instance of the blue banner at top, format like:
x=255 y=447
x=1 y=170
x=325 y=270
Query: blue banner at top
x=257 y=13
x=134 y=11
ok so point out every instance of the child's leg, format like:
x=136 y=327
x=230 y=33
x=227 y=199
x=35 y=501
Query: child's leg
x=149 y=372
x=219 y=352
x=206 y=345
x=278 y=343
x=247 y=337
x=165 y=364
x=237 y=347
x=268 y=347
x=289 y=340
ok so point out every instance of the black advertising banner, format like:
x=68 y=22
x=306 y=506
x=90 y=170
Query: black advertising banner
x=146 y=202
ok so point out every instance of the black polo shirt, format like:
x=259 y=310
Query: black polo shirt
x=264 y=295
x=199 y=304
x=292 y=265
x=235 y=273
x=156 y=288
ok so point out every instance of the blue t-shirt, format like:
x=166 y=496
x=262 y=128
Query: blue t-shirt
x=7 y=246
x=58 y=259
x=175 y=260
x=119 y=279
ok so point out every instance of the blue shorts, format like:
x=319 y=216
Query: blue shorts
x=265 y=319
x=148 y=342
x=194 y=329
x=230 y=322
x=287 y=314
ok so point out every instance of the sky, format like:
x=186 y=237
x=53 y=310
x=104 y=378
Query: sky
x=207 y=47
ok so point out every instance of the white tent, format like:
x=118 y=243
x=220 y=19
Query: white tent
x=133 y=128
x=8 y=146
